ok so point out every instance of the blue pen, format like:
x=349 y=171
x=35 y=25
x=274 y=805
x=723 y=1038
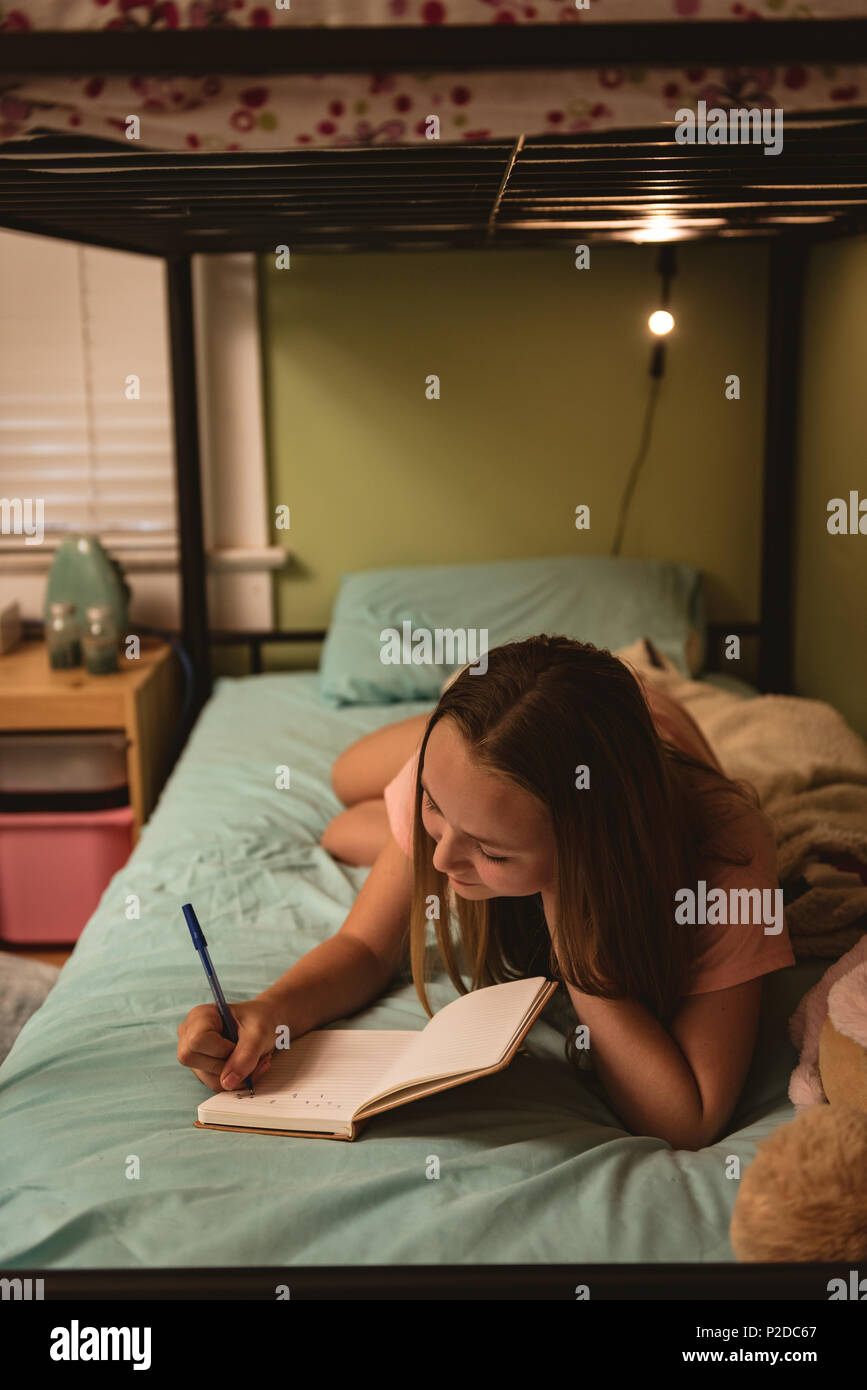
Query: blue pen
x=230 y=1028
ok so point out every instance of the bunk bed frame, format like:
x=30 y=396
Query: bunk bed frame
x=192 y=215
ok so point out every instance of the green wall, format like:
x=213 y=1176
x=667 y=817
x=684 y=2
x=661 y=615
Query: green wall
x=544 y=387
x=831 y=582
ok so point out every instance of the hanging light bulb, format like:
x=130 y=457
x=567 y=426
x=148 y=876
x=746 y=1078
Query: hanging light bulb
x=660 y=322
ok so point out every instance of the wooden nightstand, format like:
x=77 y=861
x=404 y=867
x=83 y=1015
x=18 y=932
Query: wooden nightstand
x=142 y=699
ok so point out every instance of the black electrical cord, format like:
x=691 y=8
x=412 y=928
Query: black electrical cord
x=639 y=460
x=666 y=266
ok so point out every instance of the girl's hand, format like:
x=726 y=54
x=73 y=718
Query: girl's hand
x=219 y=1063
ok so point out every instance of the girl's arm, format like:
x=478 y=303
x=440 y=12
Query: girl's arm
x=337 y=977
x=354 y=966
x=682 y=1085
x=367 y=766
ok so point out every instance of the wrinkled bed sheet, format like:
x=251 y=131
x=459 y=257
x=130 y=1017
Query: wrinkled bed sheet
x=534 y=1167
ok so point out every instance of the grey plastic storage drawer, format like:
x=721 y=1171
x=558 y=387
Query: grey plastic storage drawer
x=63 y=762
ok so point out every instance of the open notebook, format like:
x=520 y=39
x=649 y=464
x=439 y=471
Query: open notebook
x=329 y=1082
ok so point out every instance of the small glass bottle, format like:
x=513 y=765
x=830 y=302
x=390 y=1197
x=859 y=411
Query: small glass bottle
x=62 y=637
x=100 y=640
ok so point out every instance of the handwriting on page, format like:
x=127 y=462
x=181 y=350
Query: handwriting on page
x=322 y=1099
x=327 y=1073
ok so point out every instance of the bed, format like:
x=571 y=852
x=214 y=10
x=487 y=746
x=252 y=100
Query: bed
x=222 y=836
x=535 y=1168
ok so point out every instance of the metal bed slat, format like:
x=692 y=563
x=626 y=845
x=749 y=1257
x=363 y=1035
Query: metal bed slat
x=547 y=167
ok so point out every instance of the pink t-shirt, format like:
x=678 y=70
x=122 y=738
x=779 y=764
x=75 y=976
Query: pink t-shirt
x=726 y=954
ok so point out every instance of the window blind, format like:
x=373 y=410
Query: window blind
x=85 y=396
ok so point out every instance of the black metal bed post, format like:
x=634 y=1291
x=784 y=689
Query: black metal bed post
x=786 y=270
x=194 y=602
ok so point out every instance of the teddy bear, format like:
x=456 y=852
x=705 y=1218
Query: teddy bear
x=804 y=1196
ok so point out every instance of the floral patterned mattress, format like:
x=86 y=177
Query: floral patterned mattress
x=214 y=113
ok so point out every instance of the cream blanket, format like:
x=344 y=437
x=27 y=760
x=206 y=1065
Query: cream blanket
x=809 y=769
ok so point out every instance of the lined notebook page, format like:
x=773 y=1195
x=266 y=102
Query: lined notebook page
x=320 y=1080
x=469 y=1034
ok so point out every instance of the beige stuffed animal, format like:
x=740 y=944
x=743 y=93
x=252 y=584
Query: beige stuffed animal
x=804 y=1196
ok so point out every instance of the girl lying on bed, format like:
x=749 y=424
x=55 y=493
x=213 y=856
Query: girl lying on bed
x=560 y=807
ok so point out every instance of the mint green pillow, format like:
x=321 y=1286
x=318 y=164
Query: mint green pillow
x=607 y=600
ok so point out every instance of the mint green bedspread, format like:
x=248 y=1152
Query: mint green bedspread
x=533 y=1165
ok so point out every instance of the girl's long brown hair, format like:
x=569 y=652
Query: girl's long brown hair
x=625 y=844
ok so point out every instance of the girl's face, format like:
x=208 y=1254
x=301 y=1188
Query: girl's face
x=494 y=839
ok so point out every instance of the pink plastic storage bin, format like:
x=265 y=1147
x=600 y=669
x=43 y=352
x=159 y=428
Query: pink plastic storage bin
x=54 y=868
